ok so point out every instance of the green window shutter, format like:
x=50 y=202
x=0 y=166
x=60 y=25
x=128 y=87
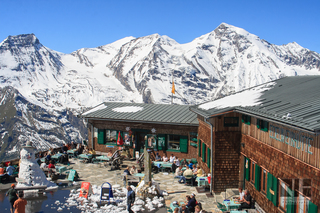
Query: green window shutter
x=312 y=208
x=258 y=123
x=101 y=136
x=203 y=152
x=265 y=126
x=247 y=169
x=208 y=157
x=269 y=186
x=184 y=144
x=290 y=200
x=248 y=121
x=199 y=147
x=243 y=118
x=161 y=142
x=257 y=177
x=275 y=189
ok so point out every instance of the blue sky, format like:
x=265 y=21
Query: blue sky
x=67 y=25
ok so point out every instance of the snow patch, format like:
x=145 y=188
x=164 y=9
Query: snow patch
x=128 y=109
x=100 y=107
x=250 y=97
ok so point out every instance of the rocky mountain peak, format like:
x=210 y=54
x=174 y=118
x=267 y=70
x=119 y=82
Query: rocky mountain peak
x=18 y=41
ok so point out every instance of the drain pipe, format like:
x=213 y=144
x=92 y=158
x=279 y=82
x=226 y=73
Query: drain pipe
x=211 y=154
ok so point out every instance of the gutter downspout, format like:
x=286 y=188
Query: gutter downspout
x=92 y=135
x=211 y=154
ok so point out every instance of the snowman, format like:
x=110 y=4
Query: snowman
x=30 y=171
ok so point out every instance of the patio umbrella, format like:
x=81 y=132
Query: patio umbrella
x=120 y=140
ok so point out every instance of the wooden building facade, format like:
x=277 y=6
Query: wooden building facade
x=270 y=147
x=167 y=129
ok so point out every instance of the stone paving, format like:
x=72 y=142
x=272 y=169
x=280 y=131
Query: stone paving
x=97 y=174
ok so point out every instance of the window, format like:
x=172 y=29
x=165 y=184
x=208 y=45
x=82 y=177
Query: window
x=174 y=142
x=283 y=195
x=262 y=125
x=111 y=136
x=264 y=179
x=231 y=121
x=252 y=170
x=246 y=119
x=193 y=137
x=302 y=204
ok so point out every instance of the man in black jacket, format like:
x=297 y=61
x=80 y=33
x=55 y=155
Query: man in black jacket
x=246 y=204
x=131 y=196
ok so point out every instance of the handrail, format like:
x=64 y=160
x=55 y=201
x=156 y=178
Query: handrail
x=225 y=195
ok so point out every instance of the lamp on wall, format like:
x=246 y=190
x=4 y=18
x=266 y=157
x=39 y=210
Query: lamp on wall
x=242 y=145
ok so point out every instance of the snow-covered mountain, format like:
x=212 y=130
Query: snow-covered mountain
x=22 y=121
x=223 y=61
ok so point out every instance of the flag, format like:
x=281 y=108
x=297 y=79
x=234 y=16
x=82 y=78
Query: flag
x=173 y=88
x=120 y=140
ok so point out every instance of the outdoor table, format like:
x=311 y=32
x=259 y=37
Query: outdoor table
x=56 y=156
x=71 y=151
x=238 y=211
x=183 y=168
x=175 y=206
x=61 y=169
x=139 y=175
x=103 y=158
x=202 y=181
x=166 y=166
x=86 y=156
x=231 y=204
x=43 y=160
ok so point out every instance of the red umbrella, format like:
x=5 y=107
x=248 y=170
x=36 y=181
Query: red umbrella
x=120 y=140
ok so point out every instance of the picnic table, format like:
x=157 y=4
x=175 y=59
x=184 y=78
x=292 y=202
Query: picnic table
x=56 y=156
x=172 y=207
x=230 y=204
x=86 y=156
x=61 y=169
x=103 y=158
x=202 y=181
x=139 y=175
x=71 y=151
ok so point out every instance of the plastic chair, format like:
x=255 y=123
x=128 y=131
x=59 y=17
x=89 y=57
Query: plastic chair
x=189 y=179
x=222 y=207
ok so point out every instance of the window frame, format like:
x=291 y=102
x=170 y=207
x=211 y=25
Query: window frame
x=305 y=203
x=283 y=208
x=111 y=142
x=168 y=141
x=246 y=119
x=252 y=171
x=262 y=177
x=263 y=125
x=231 y=124
x=131 y=138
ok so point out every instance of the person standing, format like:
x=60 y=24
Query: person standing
x=126 y=172
x=131 y=197
x=12 y=193
x=20 y=204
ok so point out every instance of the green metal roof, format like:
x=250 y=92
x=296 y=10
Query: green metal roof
x=144 y=113
x=299 y=96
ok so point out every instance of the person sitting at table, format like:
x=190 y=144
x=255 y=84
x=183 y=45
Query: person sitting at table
x=92 y=152
x=199 y=172
x=176 y=210
x=43 y=165
x=109 y=154
x=125 y=173
x=194 y=168
x=178 y=173
x=158 y=157
x=184 y=163
x=188 y=172
x=191 y=203
x=133 y=170
x=73 y=145
x=51 y=165
x=198 y=209
x=165 y=158
x=64 y=148
x=5 y=177
x=241 y=195
x=172 y=158
x=85 y=150
x=246 y=204
x=183 y=209
x=10 y=169
x=190 y=164
x=177 y=162
x=48 y=157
